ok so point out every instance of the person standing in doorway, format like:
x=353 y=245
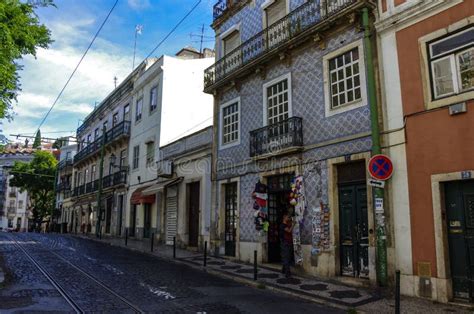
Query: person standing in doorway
x=286 y=240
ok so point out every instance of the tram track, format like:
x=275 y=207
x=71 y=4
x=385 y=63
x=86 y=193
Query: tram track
x=76 y=303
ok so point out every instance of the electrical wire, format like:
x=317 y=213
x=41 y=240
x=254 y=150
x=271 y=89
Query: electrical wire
x=173 y=29
x=77 y=66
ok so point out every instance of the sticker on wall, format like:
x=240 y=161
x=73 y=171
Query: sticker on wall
x=320 y=229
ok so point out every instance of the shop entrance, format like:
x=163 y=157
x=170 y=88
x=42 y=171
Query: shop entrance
x=353 y=220
x=279 y=188
x=459 y=197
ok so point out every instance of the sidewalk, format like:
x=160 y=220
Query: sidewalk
x=325 y=291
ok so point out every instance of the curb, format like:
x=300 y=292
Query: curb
x=247 y=282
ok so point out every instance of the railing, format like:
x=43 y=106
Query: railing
x=302 y=18
x=64 y=163
x=12 y=194
x=222 y=6
x=121 y=129
x=110 y=180
x=275 y=138
x=62 y=186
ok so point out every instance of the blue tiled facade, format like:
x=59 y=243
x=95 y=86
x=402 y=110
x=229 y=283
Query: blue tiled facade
x=308 y=102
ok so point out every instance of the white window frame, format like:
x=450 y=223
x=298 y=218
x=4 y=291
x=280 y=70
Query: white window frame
x=138 y=119
x=455 y=73
x=329 y=111
x=222 y=37
x=221 y=123
x=274 y=81
x=150 y=108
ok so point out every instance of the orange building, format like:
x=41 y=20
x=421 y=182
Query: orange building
x=427 y=84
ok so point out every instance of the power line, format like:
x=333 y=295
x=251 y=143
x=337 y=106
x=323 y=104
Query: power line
x=77 y=66
x=174 y=28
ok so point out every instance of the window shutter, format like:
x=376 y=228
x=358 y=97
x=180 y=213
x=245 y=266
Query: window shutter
x=276 y=11
x=231 y=42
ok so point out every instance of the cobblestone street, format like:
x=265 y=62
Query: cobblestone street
x=87 y=276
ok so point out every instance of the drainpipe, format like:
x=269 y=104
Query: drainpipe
x=381 y=238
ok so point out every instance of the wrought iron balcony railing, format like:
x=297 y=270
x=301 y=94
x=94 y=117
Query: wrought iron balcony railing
x=271 y=38
x=117 y=178
x=121 y=129
x=63 y=186
x=65 y=163
x=277 y=138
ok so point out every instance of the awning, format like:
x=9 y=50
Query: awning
x=158 y=187
x=139 y=198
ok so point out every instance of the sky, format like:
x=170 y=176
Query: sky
x=73 y=24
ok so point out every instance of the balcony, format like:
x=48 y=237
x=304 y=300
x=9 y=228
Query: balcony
x=63 y=186
x=65 y=163
x=111 y=180
x=289 y=31
x=224 y=6
x=11 y=210
x=280 y=138
x=117 y=132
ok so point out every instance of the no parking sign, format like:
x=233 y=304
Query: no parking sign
x=380 y=167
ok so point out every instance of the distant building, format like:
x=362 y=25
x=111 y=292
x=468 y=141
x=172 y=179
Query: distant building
x=14 y=205
x=69 y=219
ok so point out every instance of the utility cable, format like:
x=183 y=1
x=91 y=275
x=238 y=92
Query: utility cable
x=77 y=66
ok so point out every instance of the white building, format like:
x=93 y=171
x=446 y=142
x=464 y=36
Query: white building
x=168 y=103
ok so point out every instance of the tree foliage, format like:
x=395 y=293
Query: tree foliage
x=37 y=178
x=37 y=142
x=20 y=34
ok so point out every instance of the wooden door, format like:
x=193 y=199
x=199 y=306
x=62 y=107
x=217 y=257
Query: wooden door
x=193 y=191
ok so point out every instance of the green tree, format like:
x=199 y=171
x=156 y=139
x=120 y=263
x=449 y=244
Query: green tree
x=37 y=142
x=37 y=178
x=20 y=34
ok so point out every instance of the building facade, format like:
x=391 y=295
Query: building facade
x=183 y=190
x=292 y=133
x=167 y=102
x=69 y=219
x=102 y=160
x=15 y=211
x=427 y=65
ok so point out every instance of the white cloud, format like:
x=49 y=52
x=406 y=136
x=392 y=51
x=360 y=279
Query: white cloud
x=139 y=4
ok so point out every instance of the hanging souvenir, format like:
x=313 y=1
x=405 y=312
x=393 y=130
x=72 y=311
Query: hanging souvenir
x=260 y=206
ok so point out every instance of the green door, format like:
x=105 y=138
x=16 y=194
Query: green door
x=460 y=224
x=354 y=235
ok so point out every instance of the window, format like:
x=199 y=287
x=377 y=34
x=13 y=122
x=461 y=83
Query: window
x=231 y=42
x=138 y=114
x=153 y=98
x=150 y=153
x=277 y=101
x=115 y=119
x=123 y=158
x=106 y=125
x=96 y=134
x=230 y=121
x=126 y=113
x=89 y=139
x=93 y=172
x=452 y=64
x=20 y=204
x=275 y=12
x=86 y=175
x=136 y=155
x=12 y=204
x=68 y=155
x=344 y=78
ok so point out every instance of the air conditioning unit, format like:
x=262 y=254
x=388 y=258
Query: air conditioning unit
x=165 y=168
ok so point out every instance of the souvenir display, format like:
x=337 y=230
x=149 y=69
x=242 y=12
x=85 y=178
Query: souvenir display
x=260 y=206
x=298 y=201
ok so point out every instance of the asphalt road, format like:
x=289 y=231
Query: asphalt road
x=61 y=273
